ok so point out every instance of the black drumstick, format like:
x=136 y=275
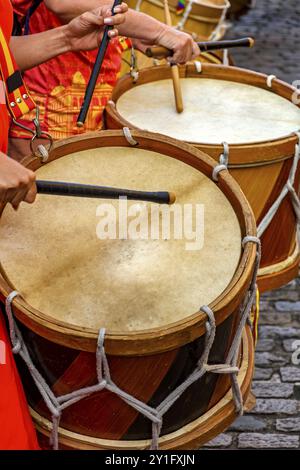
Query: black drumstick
x=59 y=188
x=205 y=46
x=95 y=72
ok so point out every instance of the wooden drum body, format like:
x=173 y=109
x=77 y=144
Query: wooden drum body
x=254 y=114
x=146 y=293
x=203 y=19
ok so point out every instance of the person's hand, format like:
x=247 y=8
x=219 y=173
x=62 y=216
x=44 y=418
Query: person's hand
x=17 y=183
x=182 y=44
x=84 y=32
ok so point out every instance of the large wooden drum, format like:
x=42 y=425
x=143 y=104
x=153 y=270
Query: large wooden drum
x=146 y=293
x=254 y=114
x=202 y=18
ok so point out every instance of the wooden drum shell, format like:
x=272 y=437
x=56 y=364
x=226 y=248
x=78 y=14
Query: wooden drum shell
x=248 y=163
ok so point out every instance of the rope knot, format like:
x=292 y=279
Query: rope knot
x=216 y=171
x=17 y=346
x=224 y=157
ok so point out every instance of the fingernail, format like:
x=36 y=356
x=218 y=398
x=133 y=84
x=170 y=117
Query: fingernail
x=108 y=20
x=117 y=10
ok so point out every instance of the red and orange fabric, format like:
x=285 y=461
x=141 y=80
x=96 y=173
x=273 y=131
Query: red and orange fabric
x=6 y=26
x=16 y=430
x=58 y=86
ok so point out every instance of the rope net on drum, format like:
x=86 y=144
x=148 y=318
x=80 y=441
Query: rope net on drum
x=56 y=404
x=287 y=189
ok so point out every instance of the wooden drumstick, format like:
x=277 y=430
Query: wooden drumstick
x=204 y=46
x=174 y=67
x=60 y=188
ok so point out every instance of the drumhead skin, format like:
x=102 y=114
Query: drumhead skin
x=215 y=111
x=50 y=251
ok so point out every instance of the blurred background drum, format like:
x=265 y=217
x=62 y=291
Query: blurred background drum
x=147 y=293
x=201 y=18
x=254 y=115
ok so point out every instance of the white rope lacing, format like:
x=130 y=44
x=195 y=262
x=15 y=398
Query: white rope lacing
x=223 y=162
x=287 y=189
x=112 y=103
x=225 y=57
x=270 y=79
x=56 y=404
x=138 y=5
x=198 y=66
x=221 y=24
x=185 y=15
x=128 y=137
x=134 y=73
x=43 y=152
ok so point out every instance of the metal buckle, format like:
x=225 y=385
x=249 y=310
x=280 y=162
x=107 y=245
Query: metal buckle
x=41 y=152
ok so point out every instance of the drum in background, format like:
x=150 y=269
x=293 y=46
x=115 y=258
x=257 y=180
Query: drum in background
x=254 y=115
x=147 y=293
x=202 y=18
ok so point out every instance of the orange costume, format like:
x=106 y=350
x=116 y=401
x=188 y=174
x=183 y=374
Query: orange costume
x=58 y=86
x=16 y=429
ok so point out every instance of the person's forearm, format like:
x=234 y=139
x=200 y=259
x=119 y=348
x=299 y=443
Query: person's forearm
x=137 y=25
x=66 y=10
x=35 y=49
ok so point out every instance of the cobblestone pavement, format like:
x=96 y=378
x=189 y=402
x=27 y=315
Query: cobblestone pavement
x=275 y=420
x=275 y=25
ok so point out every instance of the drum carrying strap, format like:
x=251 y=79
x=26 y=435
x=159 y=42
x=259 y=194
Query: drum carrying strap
x=18 y=99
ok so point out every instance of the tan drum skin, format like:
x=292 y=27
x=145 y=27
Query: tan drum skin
x=144 y=362
x=261 y=168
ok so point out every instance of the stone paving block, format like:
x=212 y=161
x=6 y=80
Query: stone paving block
x=288 y=424
x=283 y=332
x=262 y=374
x=275 y=405
x=267 y=441
x=248 y=423
x=296 y=391
x=290 y=374
x=271 y=318
x=287 y=306
x=223 y=440
x=268 y=359
x=265 y=345
x=290 y=345
x=271 y=389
